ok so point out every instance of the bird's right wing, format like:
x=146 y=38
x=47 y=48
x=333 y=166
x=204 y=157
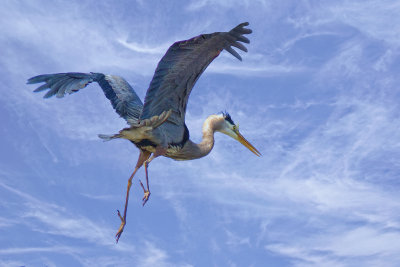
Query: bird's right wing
x=121 y=95
x=182 y=65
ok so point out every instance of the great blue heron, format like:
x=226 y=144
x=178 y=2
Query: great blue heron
x=158 y=127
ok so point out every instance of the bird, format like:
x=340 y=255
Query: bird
x=157 y=127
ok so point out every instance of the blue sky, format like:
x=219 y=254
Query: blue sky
x=317 y=94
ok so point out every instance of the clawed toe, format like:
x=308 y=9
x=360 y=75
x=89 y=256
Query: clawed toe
x=146 y=193
x=121 y=227
x=146 y=197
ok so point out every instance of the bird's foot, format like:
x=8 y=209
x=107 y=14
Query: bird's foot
x=121 y=227
x=146 y=194
x=146 y=197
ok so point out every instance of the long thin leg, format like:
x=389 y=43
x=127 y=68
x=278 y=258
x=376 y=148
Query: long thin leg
x=146 y=191
x=144 y=155
x=160 y=151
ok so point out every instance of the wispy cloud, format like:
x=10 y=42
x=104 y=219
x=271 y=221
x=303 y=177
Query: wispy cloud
x=53 y=219
x=252 y=68
x=25 y=250
x=197 y=5
x=153 y=256
x=101 y=197
x=361 y=245
x=11 y=263
x=367 y=17
x=7 y=222
x=142 y=48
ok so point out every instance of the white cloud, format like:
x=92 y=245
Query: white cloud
x=374 y=18
x=362 y=245
x=303 y=257
x=253 y=68
x=234 y=240
x=364 y=241
x=143 y=48
x=198 y=5
x=11 y=263
x=151 y=255
x=53 y=219
x=7 y=222
x=25 y=250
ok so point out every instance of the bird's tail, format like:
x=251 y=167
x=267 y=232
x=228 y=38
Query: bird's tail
x=108 y=137
x=139 y=129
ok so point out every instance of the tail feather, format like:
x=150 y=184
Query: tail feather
x=108 y=137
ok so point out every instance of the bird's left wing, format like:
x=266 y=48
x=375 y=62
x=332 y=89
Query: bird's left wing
x=121 y=95
x=181 y=66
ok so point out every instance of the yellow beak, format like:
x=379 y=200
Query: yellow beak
x=247 y=144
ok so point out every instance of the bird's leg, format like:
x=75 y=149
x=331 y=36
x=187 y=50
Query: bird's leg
x=146 y=191
x=144 y=155
x=160 y=151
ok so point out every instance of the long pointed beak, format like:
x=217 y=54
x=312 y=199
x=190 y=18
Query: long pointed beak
x=247 y=144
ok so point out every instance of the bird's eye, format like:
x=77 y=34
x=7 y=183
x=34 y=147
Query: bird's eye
x=234 y=128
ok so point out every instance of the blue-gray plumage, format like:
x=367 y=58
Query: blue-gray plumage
x=158 y=127
x=121 y=95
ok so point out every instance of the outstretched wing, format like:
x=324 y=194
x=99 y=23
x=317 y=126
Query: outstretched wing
x=121 y=95
x=180 y=68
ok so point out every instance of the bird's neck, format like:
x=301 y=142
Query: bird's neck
x=211 y=124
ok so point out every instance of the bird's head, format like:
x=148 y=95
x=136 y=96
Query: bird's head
x=228 y=127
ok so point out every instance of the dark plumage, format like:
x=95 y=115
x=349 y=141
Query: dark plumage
x=228 y=118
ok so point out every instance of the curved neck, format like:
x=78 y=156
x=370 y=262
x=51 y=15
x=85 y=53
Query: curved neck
x=207 y=142
x=192 y=150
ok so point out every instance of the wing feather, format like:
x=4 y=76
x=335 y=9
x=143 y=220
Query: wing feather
x=121 y=95
x=180 y=68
